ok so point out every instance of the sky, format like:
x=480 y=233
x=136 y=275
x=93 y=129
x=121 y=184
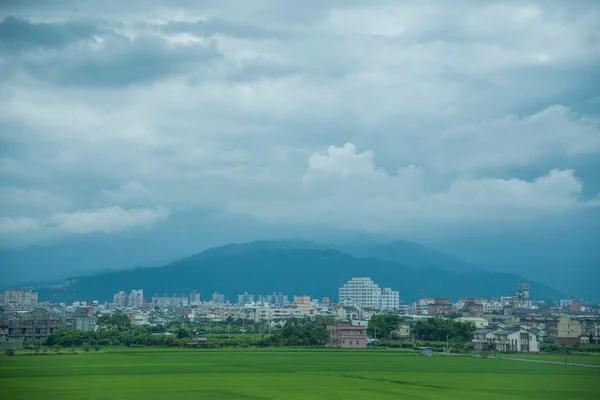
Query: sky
x=471 y=126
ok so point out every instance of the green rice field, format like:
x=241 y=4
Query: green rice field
x=253 y=374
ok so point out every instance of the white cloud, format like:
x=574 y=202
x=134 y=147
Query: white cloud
x=343 y=160
x=104 y=220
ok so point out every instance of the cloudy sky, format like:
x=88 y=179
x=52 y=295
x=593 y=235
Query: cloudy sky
x=406 y=119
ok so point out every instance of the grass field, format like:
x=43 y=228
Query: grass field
x=591 y=359
x=249 y=374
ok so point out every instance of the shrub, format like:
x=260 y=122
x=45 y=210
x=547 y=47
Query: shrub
x=9 y=352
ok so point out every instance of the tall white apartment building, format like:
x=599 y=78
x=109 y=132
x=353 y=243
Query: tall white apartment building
x=390 y=299
x=362 y=292
x=120 y=299
x=135 y=299
x=20 y=299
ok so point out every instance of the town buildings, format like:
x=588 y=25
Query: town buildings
x=245 y=298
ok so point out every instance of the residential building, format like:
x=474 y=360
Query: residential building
x=347 y=336
x=135 y=299
x=218 y=298
x=390 y=299
x=360 y=292
x=363 y=292
x=277 y=299
x=478 y=322
x=515 y=340
x=82 y=320
x=169 y=301
x=303 y=304
x=120 y=299
x=195 y=298
x=569 y=331
x=245 y=298
x=19 y=299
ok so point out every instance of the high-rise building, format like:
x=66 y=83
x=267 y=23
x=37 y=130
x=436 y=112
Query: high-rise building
x=135 y=299
x=390 y=299
x=363 y=292
x=194 y=298
x=24 y=299
x=120 y=299
x=245 y=298
x=218 y=298
x=277 y=299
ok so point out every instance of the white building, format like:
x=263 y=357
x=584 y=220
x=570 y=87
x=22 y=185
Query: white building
x=390 y=299
x=277 y=299
x=120 y=299
x=135 y=299
x=24 y=299
x=506 y=340
x=195 y=298
x=362 y=292
x=218 y=298
x=245 y=298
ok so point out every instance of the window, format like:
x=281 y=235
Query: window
x=357 y=342
x=351 y=342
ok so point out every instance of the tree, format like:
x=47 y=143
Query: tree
x=438 y=329
x=9 y=352
x=117 y=320
x=383 y=325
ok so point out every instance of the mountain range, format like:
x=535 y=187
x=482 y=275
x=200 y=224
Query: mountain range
x=297 y=267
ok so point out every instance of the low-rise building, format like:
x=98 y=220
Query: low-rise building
x=34 y=325
x=515 y=340
x=478 y=322
x=82 y=320
x=347 y=336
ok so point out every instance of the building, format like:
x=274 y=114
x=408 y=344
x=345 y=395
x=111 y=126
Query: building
x=390 y=299
x=120 y=299
x=568 y=331
x=478 y=322
x=515 y=340
x=277 y=299
x=82 y=320
x=303 y=304
x=135 y=299
x=245 y=298
x=218 y=298
x=360 y=292
x=347 y=336
x=34 y=325
x=169 y=301
x=363 y=292
x=506 y=340
x=19 y=299
x=194 y=298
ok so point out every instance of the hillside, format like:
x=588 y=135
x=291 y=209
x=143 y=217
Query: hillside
x=291 y=270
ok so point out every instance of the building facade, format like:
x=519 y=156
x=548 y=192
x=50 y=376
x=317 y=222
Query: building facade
x=360 y=292
x=34 y=325
x=347 y=336
x=19 y=299
x=82 y=320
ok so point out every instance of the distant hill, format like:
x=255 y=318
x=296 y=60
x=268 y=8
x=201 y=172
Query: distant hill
x=292 y=267
x=412 y=255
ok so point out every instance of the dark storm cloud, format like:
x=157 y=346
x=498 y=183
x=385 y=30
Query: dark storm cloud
x=17 y=35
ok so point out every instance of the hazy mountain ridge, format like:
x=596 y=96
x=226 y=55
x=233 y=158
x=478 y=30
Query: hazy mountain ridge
x=292 y=267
